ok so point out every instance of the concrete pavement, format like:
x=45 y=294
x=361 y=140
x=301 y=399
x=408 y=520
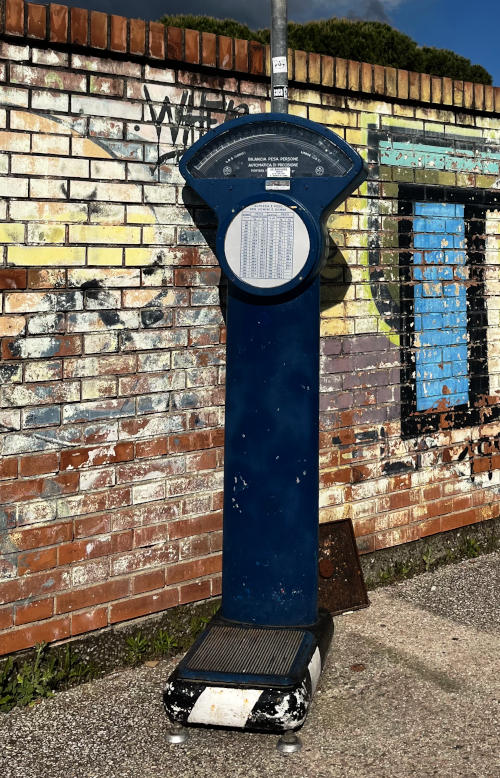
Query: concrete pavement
x=411 y=688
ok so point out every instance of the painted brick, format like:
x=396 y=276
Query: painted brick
x=91 y=457
x=58 y=345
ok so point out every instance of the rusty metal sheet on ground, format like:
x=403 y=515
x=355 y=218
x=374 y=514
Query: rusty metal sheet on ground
x=341 y=583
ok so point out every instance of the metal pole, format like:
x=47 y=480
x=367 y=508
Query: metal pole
x=279 y=56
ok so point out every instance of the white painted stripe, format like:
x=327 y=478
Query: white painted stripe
x=224 y=707
x=315 y=669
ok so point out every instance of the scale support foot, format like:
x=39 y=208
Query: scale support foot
x=177 y=734
x=289 y=743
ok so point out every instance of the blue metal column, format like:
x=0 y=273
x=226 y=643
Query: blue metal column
x=270 y=552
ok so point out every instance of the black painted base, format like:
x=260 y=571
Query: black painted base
x=216 y=695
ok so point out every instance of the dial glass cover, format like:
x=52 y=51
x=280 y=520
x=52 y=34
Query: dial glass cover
x=270 y=149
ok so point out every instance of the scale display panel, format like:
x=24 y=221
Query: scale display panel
x=269 y=149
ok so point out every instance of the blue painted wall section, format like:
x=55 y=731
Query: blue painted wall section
x=440 y=305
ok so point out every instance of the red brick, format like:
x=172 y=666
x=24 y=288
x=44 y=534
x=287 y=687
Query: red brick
x=37 y=21
x=192 y=46
x=140 y=471
x=37 y=537
x=225 y=52
x=145 y=558
x=58 y=23
x=92 y=457
x=35 y=611
x=39 y=464
x=79 y=26
x=32 y=585
x=25 y=637
x=256 y=52
x=455 y=520
x=14 y=17
x=137 y=36
x=208 y=49
x=157 y=40
x=147 y=536
x=18 y=491
x=147 y=513
x=217 y=500
x=12 y=279
x=207 y=460
x=195 y=547
x=98 y=30
x=216 y=586
x=183 y=528
x=92 y=595
x=92 y=525
x=146 y=582
x=84 y=549
x=151 y=448
x=197 y=568
x=8 y=467
x=36 y=561
x=121 y=541
x=141 y=606
x=194 y=592
x=97 y=618
x=6 y=617
x=174 y=43
x=241 y=55
x=118 y=40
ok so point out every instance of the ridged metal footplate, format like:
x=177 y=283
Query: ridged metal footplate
x=227 y=654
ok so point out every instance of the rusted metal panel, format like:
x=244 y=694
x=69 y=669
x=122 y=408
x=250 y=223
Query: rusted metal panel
x=341 y=583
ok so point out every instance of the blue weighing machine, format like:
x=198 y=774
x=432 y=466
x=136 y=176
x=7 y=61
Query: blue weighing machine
x=272 y=180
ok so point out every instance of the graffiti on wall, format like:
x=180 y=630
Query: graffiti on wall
x=179 y=121
x=433 y=270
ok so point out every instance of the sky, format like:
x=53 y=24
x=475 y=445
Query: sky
x=470 y=29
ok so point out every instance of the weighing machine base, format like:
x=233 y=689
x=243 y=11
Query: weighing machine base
x=249 y=677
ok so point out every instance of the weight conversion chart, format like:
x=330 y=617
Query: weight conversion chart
x=267 y=242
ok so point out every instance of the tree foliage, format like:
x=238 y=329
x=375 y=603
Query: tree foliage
x=374 y=42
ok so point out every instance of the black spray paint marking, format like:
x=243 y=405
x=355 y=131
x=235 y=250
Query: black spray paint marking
x=181 y=120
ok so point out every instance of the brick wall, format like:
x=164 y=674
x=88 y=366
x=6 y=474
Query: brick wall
x=112 y=336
